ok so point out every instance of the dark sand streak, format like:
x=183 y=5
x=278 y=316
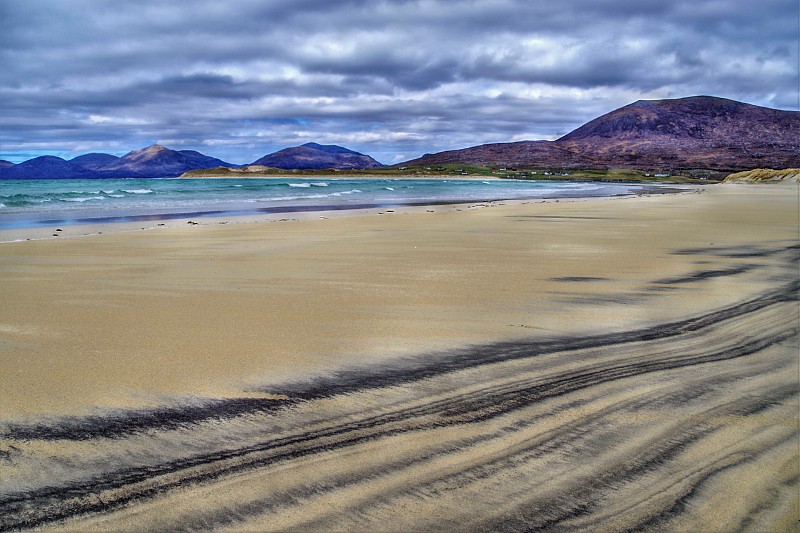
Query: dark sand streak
x=115 y=489
x=83 y=428
x=681 y=503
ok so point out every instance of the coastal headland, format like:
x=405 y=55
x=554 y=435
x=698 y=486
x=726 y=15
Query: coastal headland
x=598 y=364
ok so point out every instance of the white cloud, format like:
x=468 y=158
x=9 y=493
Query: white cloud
x=120 y=121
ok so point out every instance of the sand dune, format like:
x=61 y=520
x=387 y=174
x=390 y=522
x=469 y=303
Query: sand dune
x=765 y=175
x=636 y=368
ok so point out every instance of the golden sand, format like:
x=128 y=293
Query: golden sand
x=182 y=313
x=118 y=319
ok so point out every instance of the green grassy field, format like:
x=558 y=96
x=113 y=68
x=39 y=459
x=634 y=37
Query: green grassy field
x=611 y=175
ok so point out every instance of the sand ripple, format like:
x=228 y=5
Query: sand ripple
x=657 y=427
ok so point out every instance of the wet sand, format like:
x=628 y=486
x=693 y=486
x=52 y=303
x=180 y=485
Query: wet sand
x=596 y=364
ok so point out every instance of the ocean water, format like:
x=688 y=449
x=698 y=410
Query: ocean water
x=31 y=203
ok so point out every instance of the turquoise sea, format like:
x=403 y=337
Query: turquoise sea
x=31 y=203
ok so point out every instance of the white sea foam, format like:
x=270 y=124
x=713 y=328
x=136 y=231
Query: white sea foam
x=389 y=188
x=84 y=199
x=138 y=191
x=354 y=191
x=304 y=197
x=306 y=185
x=2 y=206
x=116 y=196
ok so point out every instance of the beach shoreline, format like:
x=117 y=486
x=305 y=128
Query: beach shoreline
x=176 y=256
x=77 y=226
x=199 y=373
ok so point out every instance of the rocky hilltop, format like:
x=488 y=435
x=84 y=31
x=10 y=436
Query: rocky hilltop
x=695 y=132
x=313 y=156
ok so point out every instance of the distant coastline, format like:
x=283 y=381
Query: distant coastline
x=468 y=172
x=680 y=140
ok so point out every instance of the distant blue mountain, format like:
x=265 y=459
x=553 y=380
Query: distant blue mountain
x=44 y=167
x=157 y=161
x=152 y=162
x=94 y=161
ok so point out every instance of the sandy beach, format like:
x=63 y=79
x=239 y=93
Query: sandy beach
x=599 y=364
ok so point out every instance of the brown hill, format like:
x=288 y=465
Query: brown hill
x=695 y=132
x=313 y=156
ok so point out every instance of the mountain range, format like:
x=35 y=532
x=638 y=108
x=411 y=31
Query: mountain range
x=695 y=132
x=698 y=132
x=156 y=161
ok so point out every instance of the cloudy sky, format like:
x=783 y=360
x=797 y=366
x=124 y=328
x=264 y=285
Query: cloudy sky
x=237 y=79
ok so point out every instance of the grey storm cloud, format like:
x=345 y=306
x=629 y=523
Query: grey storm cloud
x=392 y=78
